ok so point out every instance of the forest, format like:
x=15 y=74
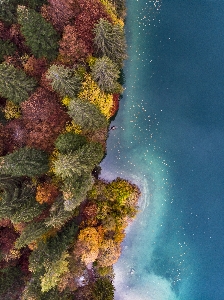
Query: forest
x=61 y=226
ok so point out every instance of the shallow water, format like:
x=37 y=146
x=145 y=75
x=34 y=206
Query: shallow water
x=170 y=141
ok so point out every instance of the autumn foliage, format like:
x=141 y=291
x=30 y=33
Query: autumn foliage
x=61 y=227
x=44 y=119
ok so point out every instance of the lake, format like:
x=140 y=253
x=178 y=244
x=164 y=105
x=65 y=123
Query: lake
x=170 y=142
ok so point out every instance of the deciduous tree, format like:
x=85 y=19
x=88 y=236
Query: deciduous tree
x=72 y=46
x=44 y=118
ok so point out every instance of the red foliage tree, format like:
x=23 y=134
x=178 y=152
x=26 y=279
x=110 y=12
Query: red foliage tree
x=7 y=239
x=90 y=13
x=115 y=106
x=44 y=119
x=72 y=47
x=17 y=38
x=4 y=34
x=35 y=67
x=15 y=135
x=60 y=12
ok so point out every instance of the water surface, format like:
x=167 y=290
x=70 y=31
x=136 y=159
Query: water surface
x=170 y=141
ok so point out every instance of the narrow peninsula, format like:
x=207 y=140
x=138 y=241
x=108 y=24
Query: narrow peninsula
x=61 y=227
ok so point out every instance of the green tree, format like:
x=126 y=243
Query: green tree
x=15 y=85
x=40 y=35
x=18 y=200
x=69 y=142
x=81 y=161
x=58 y=215
x=106 y=73
x=64 y=81
x=6 y=48
x=24 y=162
x=86 y=115
x=103 y=289
x=8 y=11
x=75 y=190
x=109 y=40
x=31 y=233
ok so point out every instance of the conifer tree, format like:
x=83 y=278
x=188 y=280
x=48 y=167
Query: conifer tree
x=64 y=81
x=8 y=11
x=86 y=115
x=40 y=35
x=18 y=200
x=109 y=40
x=15 y=85
x=24 y=162
x=69 y=142
x=31 y=233
x=75 y=190
x=6 y=48
x=81 y=161
x=106 y=74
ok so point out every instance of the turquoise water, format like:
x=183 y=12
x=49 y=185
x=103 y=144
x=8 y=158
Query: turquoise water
x=170 y=141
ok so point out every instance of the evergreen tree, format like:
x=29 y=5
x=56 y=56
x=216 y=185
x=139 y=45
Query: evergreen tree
x=64 y=81
x=109 y=40
x=86 y=115
x=58 y=215
x=6 y=48
x=75 y=190
x=15 y=85
x=103 y=289
x=18 y=200
x=24 y=162
x=40 y=35
x=106 y=74
x=69 y=142
x=81 y=161
x=8 y=11
x=31 y=233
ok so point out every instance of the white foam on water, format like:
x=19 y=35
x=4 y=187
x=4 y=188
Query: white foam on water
x=150 y=287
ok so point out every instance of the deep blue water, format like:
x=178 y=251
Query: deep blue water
x=170 y=141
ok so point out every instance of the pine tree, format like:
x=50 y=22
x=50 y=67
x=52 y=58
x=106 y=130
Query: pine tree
x=75 y=190
x=64 y=81
x=106 y=74
x=18 y=200
x=69 y=142
x=31 y=233
x=15 y=85
x=8 y=11
x=109 y=40
x=6 y=48
x=81 y=161
x=24 y=162
x=40 y=35
x=86 y=115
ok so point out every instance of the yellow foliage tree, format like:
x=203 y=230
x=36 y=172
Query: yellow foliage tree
x=111 y=10
x=90 y=91
x=90 y=240
x=12 y=110
x=109 y=253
